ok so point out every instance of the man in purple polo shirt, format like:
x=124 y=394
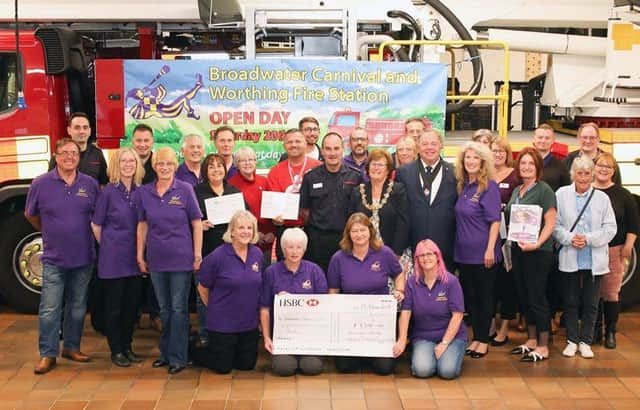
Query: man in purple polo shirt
x=192 y=151
x=60 y=204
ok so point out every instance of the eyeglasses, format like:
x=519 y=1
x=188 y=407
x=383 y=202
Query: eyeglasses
x=311 y=129
x=377 y=165
x=498 y=151
x=588 y=137
x=68 y=153
x=358 y=139
x=603 y=166
x=247 y=161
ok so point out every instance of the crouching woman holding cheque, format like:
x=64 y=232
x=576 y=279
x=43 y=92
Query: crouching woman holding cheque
x=434 y=299
x=363 y=266
x=230 y=279
x=296 y=276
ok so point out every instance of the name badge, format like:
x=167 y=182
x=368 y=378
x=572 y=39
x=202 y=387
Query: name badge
x=504 y=185
x=317 y=185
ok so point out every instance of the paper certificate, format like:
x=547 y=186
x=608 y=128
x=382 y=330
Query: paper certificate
x=220 y=209
x=524 y=223
x=334 y=325
x=280 y=204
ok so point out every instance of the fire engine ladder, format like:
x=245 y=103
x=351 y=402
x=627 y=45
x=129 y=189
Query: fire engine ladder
x=340 y=24
x=503 y=94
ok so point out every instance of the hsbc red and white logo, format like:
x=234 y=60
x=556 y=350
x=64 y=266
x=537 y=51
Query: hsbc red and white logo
x=313 y=302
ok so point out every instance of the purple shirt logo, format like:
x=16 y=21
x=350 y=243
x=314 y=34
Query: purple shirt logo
x=175 y=200
x=82 y=192
x=376 y=266
x=442 y=296
x=306 y=284
x=255 y=267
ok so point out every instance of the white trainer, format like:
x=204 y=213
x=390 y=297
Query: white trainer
x=570 y=350
x=585 y=350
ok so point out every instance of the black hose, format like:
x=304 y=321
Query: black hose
x=473 y=51
x=416 y=28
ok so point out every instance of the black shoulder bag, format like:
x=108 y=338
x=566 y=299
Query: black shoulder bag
x=557 y=246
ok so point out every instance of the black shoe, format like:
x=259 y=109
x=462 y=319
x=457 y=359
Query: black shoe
x=522 y=349
x=494 y=342
x=120 y=360
x=478 y=355
x=533 y=357
x=133 y=358
x=159 y=363
x=610 y=340
x=176 y=369
x=468 y=352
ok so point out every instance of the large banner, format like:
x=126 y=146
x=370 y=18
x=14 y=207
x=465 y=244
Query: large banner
x=263 y=98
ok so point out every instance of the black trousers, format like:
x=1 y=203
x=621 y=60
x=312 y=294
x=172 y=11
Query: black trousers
x=477 y=284
x=380 y=365
x=121 y=301
x=227 y=351
x=531 y=271
x=505 y=293
x=581 y=288
x=322 y=246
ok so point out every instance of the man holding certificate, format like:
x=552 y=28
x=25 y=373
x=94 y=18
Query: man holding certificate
x=286 y=177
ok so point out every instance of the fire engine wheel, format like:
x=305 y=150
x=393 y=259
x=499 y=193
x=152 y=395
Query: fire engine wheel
x=630 y=293
x=20 y=250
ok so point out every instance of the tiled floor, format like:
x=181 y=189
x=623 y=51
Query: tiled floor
x=499 y=381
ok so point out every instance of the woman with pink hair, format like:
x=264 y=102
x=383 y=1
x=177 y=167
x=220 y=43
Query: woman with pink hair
x=434 y=298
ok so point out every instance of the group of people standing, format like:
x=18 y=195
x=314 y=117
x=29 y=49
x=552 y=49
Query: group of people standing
x=369 y=223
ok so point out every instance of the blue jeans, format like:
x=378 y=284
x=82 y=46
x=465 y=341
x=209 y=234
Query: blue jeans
x=172 y=290
x=425 y=364
x=203 y=334
x=62 y=289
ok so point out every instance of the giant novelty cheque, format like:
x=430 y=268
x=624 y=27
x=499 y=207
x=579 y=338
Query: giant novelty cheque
x=334 y=325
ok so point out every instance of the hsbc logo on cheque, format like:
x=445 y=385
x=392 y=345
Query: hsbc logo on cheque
x=298 y=302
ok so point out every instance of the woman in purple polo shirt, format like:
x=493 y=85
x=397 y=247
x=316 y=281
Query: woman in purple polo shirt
x=169 y=246
x=291 y=275
x=114 y=225
x=230 y=282
x=363 y=266
x=477 y=249
x=435 y=302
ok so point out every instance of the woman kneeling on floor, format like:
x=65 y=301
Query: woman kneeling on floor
x=434 y=298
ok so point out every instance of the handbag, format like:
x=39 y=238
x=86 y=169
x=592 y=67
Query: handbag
x=557 y=246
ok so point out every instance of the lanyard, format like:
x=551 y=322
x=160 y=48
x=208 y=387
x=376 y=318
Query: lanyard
x=296 y=179
x=524 y=193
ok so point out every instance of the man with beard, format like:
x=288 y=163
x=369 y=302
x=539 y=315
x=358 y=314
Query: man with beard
x=357 y=159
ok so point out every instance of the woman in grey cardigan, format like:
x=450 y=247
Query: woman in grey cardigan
x=584 y=256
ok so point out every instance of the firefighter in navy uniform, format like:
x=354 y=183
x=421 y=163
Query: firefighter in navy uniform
x=324 y=201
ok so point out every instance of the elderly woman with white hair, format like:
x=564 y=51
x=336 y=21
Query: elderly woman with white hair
x=291 y=275
x=252 y=185
x=584 y=226
x=230 y=279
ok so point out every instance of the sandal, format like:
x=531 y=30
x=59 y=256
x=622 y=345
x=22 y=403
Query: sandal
x=533 y=357
x=522 y=349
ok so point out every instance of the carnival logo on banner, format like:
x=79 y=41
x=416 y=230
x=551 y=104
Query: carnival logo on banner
x=260 y=100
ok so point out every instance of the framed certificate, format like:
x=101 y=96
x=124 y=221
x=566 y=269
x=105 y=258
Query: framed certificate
x=334 y=325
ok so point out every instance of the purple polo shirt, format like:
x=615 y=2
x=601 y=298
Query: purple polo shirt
x=232 y=171
x=474 y=215
x=431 y=309
x=308 y=279
x=366 y=277
x=351 y=163
x=184 y=174
x=169 y=238
x=116 y=214
x=234 y=289
x=65 y=213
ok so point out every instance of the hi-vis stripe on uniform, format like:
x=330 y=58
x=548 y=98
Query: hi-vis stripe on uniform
x=24 y=157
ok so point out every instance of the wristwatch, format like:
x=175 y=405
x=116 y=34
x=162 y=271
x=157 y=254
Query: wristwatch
x=444 y=342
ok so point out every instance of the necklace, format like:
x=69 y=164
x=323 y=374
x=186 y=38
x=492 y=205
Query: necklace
x=375 y=206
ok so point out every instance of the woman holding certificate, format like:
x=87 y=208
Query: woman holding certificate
x=435 y=302
x=477 y=248
x=363 y=266
x=620 y=247
x=296 y=276
x=214 y=173
x=230 y=281
x=532 y=261
x=585 y=226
